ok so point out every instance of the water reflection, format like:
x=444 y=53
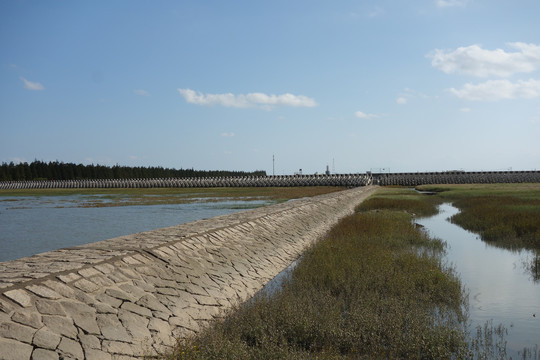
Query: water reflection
x=499 y=281
x=31 y=225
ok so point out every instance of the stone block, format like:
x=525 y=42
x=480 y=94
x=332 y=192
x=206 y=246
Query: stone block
x=89 y=342
x=118 y=347
x=32 y=319
x=133 y=290
x=86 y=286
x=136 y=325
x=83 y=315
x=48 y=307
x=102 y=281
x=129 y=306
x=88 y=272
x=103 y=308
x=67 y=278
x=112 y=328
x=43 y=354
x=60 y=288
x=45 y=338
x=12 y=330
x=5 y=307
x=14 y=350
x=105 y=268
x=150 y=302
x=60 y=325
x=109 y=300
x=71 y=348
x=20 y=296
x=120 y=294
x=94 y=354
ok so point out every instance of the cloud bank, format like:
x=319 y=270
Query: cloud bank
x=499 y=89
x=476 y=61
x=363 y=115
x=450 y=3
x=32 y=85
x=401 y=100
x=246 y=100
x=141 y=92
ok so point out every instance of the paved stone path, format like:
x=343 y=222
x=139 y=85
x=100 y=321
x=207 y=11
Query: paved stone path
x=134 y=295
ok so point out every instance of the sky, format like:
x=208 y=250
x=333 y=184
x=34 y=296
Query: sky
x=282 y=85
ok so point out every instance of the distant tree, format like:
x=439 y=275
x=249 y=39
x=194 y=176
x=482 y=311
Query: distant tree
x=69 y=171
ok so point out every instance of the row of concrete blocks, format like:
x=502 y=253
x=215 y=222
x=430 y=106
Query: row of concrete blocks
x=412 y=179
x=350 y=180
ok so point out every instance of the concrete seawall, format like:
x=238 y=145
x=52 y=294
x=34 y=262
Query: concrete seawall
x=349 y=180
x=133 y=295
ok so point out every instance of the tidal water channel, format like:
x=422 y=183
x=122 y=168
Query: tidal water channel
x=31 y=225
x=500 y=283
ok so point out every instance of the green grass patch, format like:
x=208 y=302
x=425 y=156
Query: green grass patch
x=366 y=291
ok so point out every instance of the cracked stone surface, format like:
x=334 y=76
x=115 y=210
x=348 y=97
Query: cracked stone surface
x=132 y=296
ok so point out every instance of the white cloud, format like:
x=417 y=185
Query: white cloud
x=247 y=100
x=451 y=3
x=499 y=89
x=141 y=92
x=465 y=110
x=32 y=85
x=363 y=115
x=401 y=100
x=476 y=61
x=409 y=94
x=227 y=134
x=376 y=12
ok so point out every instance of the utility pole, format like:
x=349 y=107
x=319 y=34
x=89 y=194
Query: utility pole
x=273 y=165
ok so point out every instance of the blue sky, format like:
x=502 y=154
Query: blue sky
x=425 y=85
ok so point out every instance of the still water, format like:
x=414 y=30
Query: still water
x=32 y=225
x=501 y=286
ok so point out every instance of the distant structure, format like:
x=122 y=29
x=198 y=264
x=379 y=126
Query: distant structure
x=327 y=170
x=349 y=180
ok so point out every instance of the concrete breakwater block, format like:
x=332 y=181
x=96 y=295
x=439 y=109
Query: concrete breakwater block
x=135 y=295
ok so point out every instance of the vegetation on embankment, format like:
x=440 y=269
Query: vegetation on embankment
x=157 y=196
x=505 y=215
x=374 y=288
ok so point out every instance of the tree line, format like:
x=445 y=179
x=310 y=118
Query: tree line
x=55 y=170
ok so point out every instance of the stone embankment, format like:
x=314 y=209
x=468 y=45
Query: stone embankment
x=134 y=295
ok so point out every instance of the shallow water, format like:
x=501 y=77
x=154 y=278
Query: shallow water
x=32 y=225
x=499 y=283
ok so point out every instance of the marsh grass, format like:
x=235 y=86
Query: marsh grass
x=504 y=221
x=363 y=292
x=400 y=199
x=505 y=215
